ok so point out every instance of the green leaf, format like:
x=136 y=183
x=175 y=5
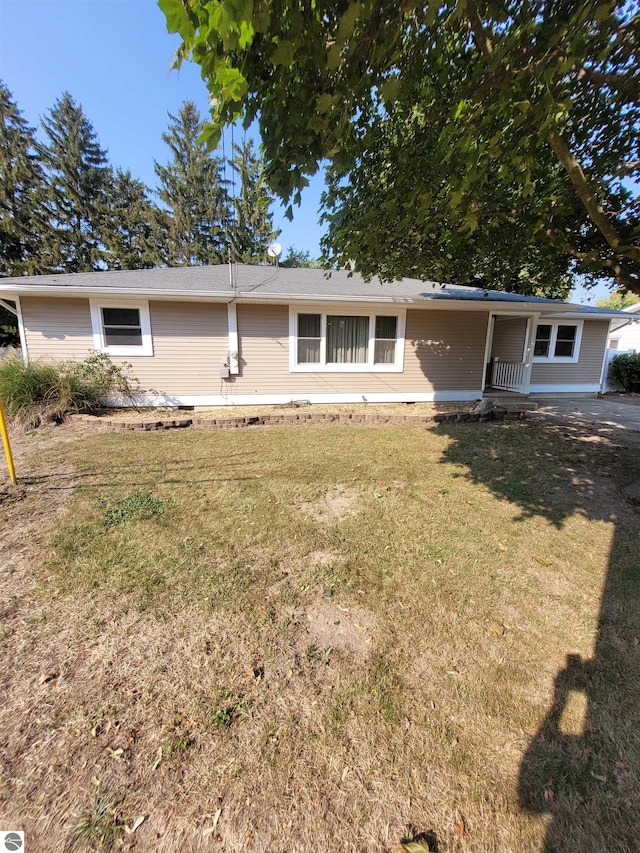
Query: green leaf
x=324 y=102
x=246 y=34
x=283 y=54
x=334 y=56
x=348 y=20
x=462 y=104
x=389 y=89
x=178 y=19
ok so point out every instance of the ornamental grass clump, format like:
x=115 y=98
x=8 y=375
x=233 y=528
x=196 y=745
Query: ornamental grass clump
x=43 y=392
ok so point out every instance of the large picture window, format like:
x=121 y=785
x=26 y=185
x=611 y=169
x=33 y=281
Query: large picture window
x=121 y=329
x=558 y=341
x=346 y=342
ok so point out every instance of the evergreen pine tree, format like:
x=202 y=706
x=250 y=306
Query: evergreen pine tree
x=191 y=187
x=78 y=175
x=23 y=221
x=253 y=229
x=136 y=227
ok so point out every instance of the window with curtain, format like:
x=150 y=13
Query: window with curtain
x=335 y=342
x=347 y=339
x=309 y=338
x=386 y=332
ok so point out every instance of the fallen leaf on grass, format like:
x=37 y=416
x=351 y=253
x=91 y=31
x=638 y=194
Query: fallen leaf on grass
x=497 y=629
x=115 y=752
x=502 y=546
x=598 y=777
x=46 y=677
x=543 y=561
x=211 y=829
x=137 y=822
x=460 y=828
x=622 y=765
x=156 y=763
x=413 y=847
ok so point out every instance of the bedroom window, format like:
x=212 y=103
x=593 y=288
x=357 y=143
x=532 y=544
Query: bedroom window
x=557 y=342
x=361 y=341
x=121 y=329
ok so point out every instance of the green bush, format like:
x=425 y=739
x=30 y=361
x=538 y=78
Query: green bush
x=40 y=391
x=625 y=369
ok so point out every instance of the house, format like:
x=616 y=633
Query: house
x=624 y=335
x=219 y=335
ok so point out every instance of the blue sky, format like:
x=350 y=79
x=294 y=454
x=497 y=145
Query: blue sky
x=113 y=57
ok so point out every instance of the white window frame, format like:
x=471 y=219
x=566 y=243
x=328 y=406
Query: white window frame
x=558 y=359
x=99 y=342
x=348 y=311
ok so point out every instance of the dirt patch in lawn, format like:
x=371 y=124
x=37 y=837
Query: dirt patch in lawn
x=345 y=629
x=337 y=504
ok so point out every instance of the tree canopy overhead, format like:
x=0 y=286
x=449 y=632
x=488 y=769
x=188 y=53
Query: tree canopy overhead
x=508 y=120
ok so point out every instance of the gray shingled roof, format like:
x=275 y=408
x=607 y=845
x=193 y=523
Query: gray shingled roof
x=273 y=282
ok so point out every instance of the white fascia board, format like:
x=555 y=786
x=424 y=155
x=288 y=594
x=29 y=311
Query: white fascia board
x=280 y=399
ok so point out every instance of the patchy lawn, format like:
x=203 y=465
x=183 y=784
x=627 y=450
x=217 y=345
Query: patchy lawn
x=322 y=638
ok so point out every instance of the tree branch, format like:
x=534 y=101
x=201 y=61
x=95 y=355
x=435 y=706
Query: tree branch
x=562 y=152
x=621 y=275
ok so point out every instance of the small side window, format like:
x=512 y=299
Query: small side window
x=309 y=339
x=543 y=341
x=122 y=327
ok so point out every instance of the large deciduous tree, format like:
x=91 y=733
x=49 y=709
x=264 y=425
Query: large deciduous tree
x=191 y=187
x=23 y=220
x=78 y=178
x=535 y=131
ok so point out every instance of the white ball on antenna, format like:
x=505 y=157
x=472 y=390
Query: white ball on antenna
x=274 y=250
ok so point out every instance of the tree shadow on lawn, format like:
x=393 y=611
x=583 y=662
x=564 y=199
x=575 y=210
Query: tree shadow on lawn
x=586 y=783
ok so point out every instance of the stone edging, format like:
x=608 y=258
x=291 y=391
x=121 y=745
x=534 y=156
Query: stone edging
x=150 y=424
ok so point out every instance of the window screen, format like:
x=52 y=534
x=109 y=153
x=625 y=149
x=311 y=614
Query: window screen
x=122 y=327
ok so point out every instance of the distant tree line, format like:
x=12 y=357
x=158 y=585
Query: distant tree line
x=64 y=208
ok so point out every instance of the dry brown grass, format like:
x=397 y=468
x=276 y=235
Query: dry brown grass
x=322 y=639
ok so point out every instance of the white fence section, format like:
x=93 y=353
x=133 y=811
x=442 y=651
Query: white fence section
x=610 y=354
x=508 y=375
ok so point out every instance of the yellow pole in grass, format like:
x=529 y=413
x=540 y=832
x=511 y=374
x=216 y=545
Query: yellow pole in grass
x=7 y=446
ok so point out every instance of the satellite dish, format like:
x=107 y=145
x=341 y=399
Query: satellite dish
x=274 y=250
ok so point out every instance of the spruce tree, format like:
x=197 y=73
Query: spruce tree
x=191 y=187
x=252 y=230
x=23 y=222
x=78 y=174
x=136 y=227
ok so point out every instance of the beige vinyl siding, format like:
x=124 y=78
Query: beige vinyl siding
x=189 y=341
x=587 y=369
x=56 y=329
x=443 y=351
x=508 y=338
